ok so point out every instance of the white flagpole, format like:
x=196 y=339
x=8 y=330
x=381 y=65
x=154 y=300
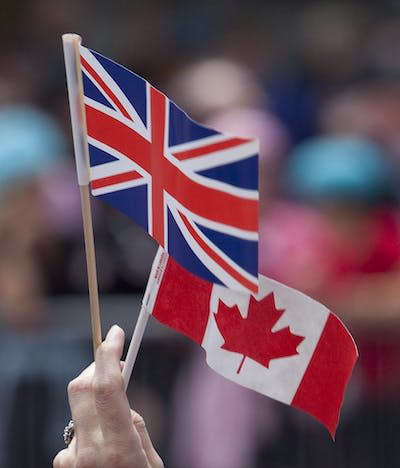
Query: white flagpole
x=137 y=336
x=134 y=345
x=71 y=43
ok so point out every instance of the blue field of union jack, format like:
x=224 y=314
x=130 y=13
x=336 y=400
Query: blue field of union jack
x=193 y=189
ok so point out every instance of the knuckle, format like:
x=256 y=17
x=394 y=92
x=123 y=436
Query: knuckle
x=104 y=388
x=105 y=349
x=139 y=422
x=58 y=459
x=79 y=385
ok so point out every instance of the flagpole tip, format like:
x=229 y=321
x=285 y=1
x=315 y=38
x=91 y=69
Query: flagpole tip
x=71 y=38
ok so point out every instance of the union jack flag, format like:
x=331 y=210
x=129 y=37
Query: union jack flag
x=194 y=190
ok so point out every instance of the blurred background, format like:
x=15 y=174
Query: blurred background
x=319 y=84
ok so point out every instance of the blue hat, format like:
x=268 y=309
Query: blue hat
x=31 y=143
x=348 y=168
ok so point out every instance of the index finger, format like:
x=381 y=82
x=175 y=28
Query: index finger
x=112 y=404
x=83 y=409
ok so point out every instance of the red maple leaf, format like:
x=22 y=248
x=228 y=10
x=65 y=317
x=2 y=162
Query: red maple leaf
x=252 y=336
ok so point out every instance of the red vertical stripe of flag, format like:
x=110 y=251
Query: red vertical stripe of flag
x=311 y=395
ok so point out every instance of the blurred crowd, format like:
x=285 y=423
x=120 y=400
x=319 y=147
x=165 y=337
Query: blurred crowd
x=319 y=84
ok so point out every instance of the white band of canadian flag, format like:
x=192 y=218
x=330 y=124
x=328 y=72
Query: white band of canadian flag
x=280 y=343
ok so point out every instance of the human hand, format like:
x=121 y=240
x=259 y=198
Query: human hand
x=107 y=433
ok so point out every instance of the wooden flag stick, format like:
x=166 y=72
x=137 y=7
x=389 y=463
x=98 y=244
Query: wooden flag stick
x=91 y=267
x=140 y=327
x=71 y=43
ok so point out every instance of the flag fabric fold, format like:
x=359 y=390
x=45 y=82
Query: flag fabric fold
x=193 y=189
x=279 y=342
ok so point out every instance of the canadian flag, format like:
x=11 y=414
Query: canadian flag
x=279 y=342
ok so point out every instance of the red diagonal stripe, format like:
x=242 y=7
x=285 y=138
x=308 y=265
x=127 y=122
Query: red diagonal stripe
x=200 y=199
x=87 y=67
x=214 y=256
x=207 y=149
x=211 y=203
x=118 y=136
x=115 y=179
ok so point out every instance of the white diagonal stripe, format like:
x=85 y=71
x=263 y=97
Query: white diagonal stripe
x=91 y=59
